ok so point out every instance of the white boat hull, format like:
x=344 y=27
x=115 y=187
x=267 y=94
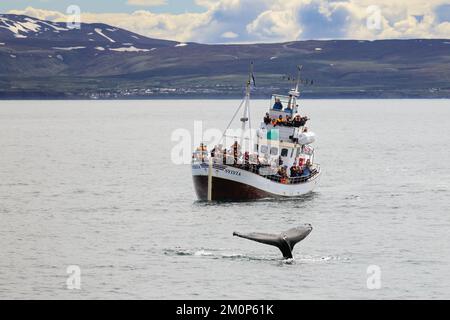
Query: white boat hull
x=232 y=183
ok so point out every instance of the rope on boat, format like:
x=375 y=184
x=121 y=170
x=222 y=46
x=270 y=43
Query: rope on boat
x=234 y=116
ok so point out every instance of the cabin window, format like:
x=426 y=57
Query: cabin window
x=264 y=149
x=284 y=152
x=274 y=151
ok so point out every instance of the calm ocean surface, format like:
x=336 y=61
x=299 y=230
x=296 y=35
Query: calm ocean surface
x=91 y=184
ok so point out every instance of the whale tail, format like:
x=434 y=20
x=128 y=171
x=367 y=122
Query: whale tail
x=284 y=241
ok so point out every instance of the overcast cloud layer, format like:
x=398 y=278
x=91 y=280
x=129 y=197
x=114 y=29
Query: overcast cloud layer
x=240 y=21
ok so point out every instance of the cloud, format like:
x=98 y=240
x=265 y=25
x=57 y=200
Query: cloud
x=163 y=26
x=229 y=35
x=239 y=21
x=41 y=14
x=147 y=3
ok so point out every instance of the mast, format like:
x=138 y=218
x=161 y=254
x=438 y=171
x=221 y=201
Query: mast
x=246 y=114
x=294 y=92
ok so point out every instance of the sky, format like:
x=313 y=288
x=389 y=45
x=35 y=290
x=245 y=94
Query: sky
x=250 y=21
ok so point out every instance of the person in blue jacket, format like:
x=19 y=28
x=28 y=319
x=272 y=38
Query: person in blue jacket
x=277 y=105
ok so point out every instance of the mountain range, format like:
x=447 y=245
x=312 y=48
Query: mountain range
x=44 y=59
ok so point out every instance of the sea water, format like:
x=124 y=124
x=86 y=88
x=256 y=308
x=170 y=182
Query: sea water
x=92 y=205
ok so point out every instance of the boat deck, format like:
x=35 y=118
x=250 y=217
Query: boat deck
x=264 y=171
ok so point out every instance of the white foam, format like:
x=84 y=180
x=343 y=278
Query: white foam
x=2 y=43
x=100 y=32
x=318 y=49
x=202 y=253
x=100 y=48
x=272 y=58
x=181 y=45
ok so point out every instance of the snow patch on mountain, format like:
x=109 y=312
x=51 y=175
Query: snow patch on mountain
x=68 y=48
x=57 y=28
x=30 y=26
x=100 y=32
x=129 y=49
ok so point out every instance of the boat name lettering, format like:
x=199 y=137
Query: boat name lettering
x=232 y=172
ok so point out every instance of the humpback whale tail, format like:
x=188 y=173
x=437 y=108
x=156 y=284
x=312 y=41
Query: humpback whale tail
x=284 y=241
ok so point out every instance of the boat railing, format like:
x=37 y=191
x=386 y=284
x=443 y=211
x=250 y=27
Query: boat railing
x=293 y=180
x=263 y=170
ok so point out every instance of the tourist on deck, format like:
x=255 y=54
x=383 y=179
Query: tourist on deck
x=308 y=163
x=282 y=172
x=303 y=121
x=202 y=151
x=277 y=105
x=306 y=172
x=280 y=161
x=307 y=169
x=294 y=171
x=224 y=156
x=301 y=162
x=288 y=109
x=246 y=160
x=288 y=121
x=235 y=149
x=280 y=121
x=296 y=121
x=200 y=148
x=267 y=119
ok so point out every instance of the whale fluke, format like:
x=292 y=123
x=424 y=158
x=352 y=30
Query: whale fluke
x=284 y=241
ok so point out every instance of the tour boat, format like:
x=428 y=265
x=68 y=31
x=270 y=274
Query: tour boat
x=274 y=161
